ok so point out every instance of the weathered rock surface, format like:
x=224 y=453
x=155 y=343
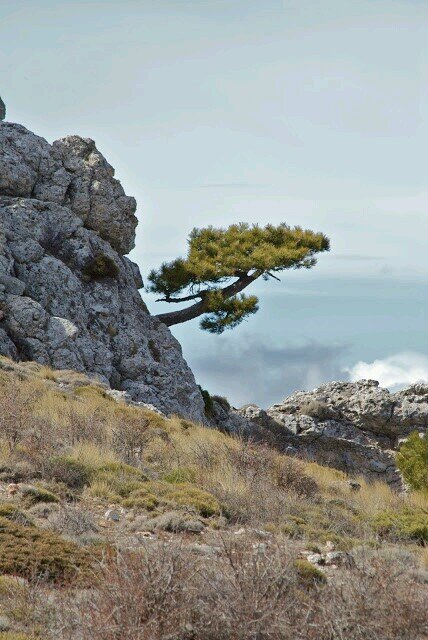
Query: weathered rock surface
x=68 y=296
x=354 y=427
x=364 y=404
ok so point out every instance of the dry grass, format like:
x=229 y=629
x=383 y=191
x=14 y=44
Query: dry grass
x=253 y=484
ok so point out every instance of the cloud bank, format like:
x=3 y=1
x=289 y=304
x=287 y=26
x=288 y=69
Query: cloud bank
x=394 y=372
x=254 y=370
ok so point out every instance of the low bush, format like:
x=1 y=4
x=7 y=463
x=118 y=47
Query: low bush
x=115 y=481
x=412 y=460
x=32 y=495
x=72 y=520
x=154 y=494
x=180 y=475
x=68 y=470
x=99 y=267
x=142 y=499
x=308 y=573
x=187 y=495
x=33 y=553
x=404 y=525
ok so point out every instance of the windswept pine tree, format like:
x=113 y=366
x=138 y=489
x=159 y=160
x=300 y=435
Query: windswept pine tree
x=220 y=263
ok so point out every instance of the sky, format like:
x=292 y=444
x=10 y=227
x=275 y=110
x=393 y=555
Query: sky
x=220 y=111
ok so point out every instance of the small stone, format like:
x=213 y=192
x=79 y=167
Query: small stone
x=339 y=558
x=315 y=558
x=377 y=466
x=113 y=515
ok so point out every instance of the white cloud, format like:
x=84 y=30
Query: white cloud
x=394 y=372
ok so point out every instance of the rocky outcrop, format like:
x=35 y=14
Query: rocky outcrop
x=355 y=427
x=365 y=405
x=68 y=295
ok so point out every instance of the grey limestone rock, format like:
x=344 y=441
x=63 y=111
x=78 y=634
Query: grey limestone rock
x=355 y=427
x=68 y=295
x=367 y=406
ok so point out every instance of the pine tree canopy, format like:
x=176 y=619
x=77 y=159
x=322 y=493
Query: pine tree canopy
x=220 y=263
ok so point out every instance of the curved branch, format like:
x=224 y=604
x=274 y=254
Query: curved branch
x=196 y=310
x=184 y=299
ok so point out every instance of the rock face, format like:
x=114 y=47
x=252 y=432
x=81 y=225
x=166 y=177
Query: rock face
x=68 y=296
x=354 y=427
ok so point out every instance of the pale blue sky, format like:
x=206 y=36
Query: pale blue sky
x=212 y=112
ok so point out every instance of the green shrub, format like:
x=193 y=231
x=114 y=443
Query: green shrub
x=70 y=471
x=32 y=553
x=309 y=575
x=412 y=460
x=208 y=401
x=121 y=469
x=115 y=481
x=141 y=499
x=33 y=495
x=88 y=391
x=99 y=267
x=404 y=525
x=187 y=495
x=12 y=635
x=180 y=475
x=177 y=495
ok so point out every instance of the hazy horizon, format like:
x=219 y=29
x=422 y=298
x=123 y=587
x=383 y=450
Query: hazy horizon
x=262 y=111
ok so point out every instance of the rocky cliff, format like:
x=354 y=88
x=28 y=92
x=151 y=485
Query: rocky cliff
x=68 y=295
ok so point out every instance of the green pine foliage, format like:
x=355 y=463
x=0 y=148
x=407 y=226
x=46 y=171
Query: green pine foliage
x=220 y=263
x=227 y=313
x=412 y=460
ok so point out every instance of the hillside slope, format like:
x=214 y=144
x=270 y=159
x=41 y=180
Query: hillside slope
x=119 y=523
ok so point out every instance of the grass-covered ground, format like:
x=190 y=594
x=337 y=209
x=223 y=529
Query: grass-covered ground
x=117 y=523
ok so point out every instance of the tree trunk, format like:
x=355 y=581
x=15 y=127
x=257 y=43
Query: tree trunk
x=196 y=310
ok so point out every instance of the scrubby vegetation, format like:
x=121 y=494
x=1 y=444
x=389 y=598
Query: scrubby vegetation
x=412 y=461
x=29 y=552
x=190 y=532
